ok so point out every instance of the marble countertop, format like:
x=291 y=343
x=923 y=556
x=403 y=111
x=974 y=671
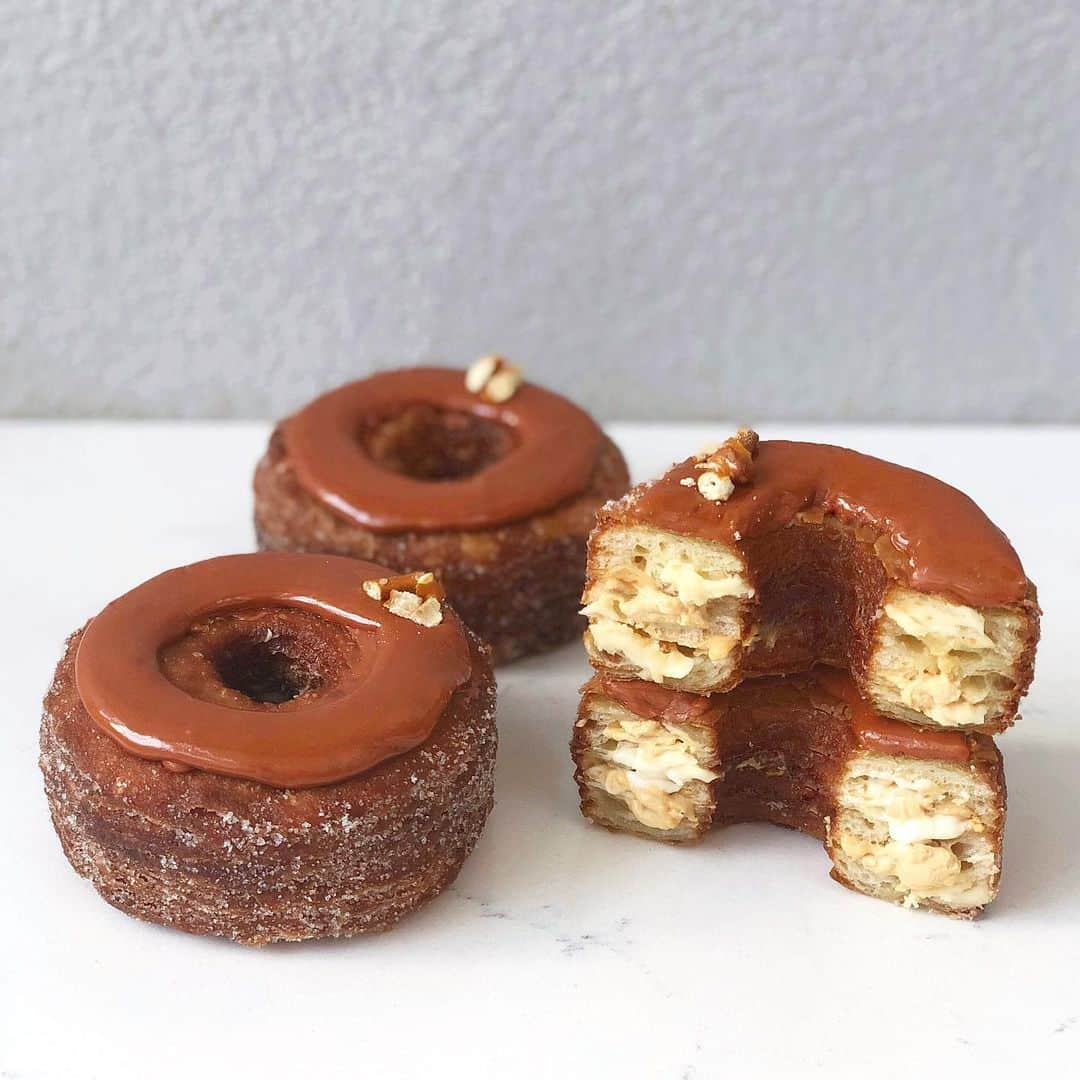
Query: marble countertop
x=561 y=951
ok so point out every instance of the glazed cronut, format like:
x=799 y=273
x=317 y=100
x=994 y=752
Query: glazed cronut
x=917 y=832
x=697 y=615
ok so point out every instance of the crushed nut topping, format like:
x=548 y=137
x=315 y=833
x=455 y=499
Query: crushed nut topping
x=409 y=606
x=714 y=487
x=726 y=465
x=416 y=596
x=494 y=378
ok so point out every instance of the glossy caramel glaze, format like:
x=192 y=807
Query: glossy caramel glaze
x=368 y=684
x=822 y=708
x=885 y=735
x=651 y=701
x=549 y=458
x=942 y=542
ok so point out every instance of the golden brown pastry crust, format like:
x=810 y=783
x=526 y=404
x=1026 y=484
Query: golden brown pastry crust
x=228 y=857
x=518 y=586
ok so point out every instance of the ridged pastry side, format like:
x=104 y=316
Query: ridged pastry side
x=232 y=858
x=517 y=586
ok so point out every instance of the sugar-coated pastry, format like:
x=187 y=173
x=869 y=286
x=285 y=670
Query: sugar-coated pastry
x=910 y=815
x=768 y=558
x=271 y=747
x=489 y=481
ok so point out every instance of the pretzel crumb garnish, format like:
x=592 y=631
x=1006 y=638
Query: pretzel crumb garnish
x=494 y=379
x=725 y=465
x=417 y=596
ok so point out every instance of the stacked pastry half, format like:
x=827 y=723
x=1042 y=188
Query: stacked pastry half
x=805 y=635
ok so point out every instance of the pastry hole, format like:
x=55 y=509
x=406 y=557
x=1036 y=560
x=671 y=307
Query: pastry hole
x=261 y=657
x=432 y=444
x=264 y=671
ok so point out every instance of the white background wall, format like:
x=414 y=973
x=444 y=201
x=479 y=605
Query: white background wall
x=738 y=208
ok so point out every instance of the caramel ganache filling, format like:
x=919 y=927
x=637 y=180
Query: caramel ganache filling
x=289 y=670
x=428 y=449
x=941 y=541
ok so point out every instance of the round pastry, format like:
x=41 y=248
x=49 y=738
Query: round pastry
x=756 y=559
x=910 y=815
x=488 y=481
x=271 y=747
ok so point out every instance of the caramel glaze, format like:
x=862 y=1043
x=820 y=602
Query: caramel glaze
x=829 y=688
x=781 y=742
x=371 y=684
x=551 y=459
x=872 y=731
x=941 y=541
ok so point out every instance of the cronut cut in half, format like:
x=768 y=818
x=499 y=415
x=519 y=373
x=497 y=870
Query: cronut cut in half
x=674 y=599
x=911 y=830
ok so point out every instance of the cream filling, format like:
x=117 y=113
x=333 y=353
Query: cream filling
x=924 y=871
x=913 y=811
x=665 y=591
x=652 y=807
x=946 y=700
x=932 y=827
x=654 y=661
x=937 y=684
x=691 y=587
x=648 y=769
x=667 y=769
x=922 y=820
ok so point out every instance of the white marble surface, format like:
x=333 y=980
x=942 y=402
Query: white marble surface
x=561 y=951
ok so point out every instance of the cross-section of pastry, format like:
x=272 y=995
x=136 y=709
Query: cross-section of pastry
x=271 y=747
x=490 y=481
x=914 y=816
x=767 y=558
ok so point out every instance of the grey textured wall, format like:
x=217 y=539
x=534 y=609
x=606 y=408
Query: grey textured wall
x=755 y=209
